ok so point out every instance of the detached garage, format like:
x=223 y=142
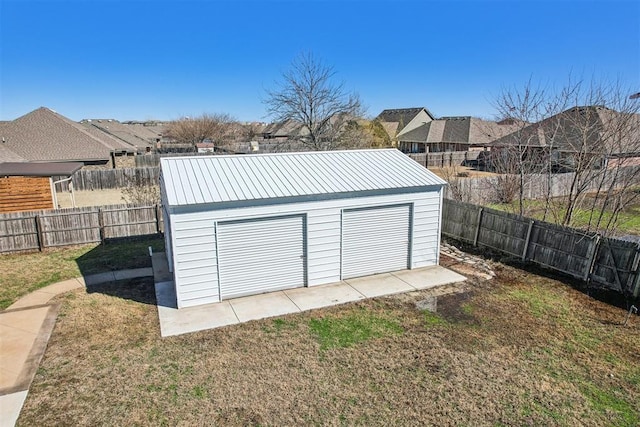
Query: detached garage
x=242 y=225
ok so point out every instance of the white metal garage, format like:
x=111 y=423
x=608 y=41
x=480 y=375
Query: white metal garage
x=241 y=225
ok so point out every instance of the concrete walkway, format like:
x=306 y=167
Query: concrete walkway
x=25 y=328
x=244 y=309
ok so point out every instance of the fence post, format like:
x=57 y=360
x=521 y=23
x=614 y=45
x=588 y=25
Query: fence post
x=101 y=224
x=475 y=238
x=39 y=233
x=157 y=210
x=527 y=240
x=593 y=251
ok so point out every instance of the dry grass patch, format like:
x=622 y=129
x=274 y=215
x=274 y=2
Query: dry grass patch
x=490 y=358
x=26 y=272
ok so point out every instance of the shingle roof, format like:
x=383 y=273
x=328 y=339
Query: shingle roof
x=133 y=136
x=465 y=129
x=44 y=135
x=7 y=155
x=401 y=115
x=220 y=179
x=568 y=131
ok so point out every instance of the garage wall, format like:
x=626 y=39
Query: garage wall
x=323 y=246
x=426 y=230
x=195 y=261
x=194 y=239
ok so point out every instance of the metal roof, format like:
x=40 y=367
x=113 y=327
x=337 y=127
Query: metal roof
x=39 y=169
x=219 y=179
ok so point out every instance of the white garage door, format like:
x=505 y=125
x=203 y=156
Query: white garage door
x=264 y=255
x=375 y=240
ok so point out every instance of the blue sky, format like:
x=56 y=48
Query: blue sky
x=139 y=60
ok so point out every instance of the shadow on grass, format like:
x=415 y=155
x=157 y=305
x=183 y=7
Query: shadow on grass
x=122 y=254
x=141 y=290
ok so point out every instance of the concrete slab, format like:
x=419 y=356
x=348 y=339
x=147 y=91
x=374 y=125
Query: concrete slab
x=428 y=277
x=191 y=319
x=133 y=273
x=378 y=285
x=96 y=279
x=262 y=306
x=229 y=312
x=10 y=407
x=166 y=294
x=323 y=296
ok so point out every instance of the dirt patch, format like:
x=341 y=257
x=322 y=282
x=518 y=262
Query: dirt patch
x=90 y=198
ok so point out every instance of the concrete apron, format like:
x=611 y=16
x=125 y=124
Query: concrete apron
x=239 y=310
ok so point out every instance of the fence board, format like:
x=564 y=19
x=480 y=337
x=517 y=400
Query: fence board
x=33 y=230
x=18 y=232
x=104 y=179
x=616 y=263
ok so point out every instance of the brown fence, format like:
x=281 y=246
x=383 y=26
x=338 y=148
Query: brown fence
x=36 y=230
x=446 y=159
x=602 y=261
x=103 y=179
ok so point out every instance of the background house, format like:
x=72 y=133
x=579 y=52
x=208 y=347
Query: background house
x=401 y=120
x=575 y=134
x=453 y=134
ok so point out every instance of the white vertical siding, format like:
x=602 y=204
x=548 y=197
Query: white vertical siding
x=426 y=230
x=194 y=239
x=195 y=260
x=323 y=246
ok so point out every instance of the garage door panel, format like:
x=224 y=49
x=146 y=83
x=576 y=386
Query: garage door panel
x=375 y=240
x=262 y=255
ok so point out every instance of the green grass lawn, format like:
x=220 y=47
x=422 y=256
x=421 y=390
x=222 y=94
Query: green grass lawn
x=628 y=219
x=22 y=273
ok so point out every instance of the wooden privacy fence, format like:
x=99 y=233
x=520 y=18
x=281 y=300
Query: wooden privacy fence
x=601 y=261
x=23 y=231
x=104 y=179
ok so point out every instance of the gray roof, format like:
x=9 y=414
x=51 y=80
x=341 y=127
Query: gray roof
x=44 y=135
x=39 y=169
x=464 y=129
x=309 y=175
x=597 y=127
x=7 y=155
x=134 y=136
x=401 y=115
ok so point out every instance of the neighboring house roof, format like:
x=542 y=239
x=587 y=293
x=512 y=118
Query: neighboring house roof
x=401 y=120
x=462 y=130
x=39 y=169
x=135 y=136
x=309 y=175
x=44 y=135
x=598 y=127
x=286 y=129
x=402 y=115
x=7 y=155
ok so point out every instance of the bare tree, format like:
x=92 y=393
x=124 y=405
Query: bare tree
x=219 y=128
x=309 y=95
x=592 y=131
